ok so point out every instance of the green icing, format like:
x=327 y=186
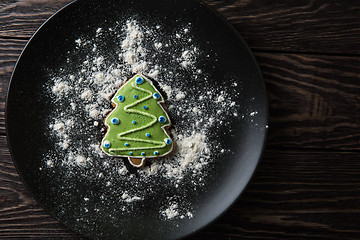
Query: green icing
x=146 y=121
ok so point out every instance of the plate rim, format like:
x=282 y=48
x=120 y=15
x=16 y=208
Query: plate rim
x=226 y=22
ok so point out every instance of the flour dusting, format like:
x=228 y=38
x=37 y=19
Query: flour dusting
x=83 y=95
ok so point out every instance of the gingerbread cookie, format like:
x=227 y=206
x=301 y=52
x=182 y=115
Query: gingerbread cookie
x=137 y=127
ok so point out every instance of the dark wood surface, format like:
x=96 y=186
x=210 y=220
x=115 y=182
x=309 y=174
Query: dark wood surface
x=308 y=183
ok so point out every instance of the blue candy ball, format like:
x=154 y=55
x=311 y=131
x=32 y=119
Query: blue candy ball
x=121 y=98
x=115 y=121
x=162 y=119
x=107 y=144
x=156 y=95
x=139 y=80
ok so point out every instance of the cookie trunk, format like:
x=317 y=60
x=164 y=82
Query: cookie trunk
x=137 y=162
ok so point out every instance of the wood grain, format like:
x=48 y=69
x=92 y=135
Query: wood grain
x=20 y=215
x=295 y=26
x=21 y=18
x=294 y=195
x=308 y=183
x=301 y=26
x=10 y=50
x=297 y=195
x=313 y=99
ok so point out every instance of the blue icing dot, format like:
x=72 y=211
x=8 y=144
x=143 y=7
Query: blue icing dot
x=156 y=153
x=145 y=107
x=142 y=154
x=107 y=144
x=156 y=95
x=135 y=96
x=130 y=153
x=133 y=121
x=121 y=98
x=126 y=144
x=115 y=121
x=147 y=134
x=162 y=119
x=167 y=141
x=139 y=80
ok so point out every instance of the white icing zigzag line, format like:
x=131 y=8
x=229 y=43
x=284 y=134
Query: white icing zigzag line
x=161 y=144
x=126 y=108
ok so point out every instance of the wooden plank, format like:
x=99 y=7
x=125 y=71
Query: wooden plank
x=308 y=26
x=327 y=87
x=10 y=50
x=20 y=215
x=314 y=100
x=295 y=26
x=294 y=195
x=21 y=18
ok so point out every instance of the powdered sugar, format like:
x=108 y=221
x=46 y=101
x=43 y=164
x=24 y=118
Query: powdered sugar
x=127 y=198
x=133 y=50
x=180 y=96
x=171 y=211
x=83 y=100
x=60 y=87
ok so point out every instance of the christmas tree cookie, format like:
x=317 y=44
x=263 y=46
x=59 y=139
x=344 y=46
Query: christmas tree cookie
x=137 y=127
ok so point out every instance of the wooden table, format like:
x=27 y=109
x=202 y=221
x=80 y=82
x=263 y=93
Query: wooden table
x=308 y=183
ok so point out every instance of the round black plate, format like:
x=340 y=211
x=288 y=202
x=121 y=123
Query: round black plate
x=62 y=195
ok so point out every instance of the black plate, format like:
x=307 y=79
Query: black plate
x=225 y=60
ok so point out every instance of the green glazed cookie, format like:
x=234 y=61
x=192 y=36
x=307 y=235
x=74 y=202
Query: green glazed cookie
x=137 y=127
